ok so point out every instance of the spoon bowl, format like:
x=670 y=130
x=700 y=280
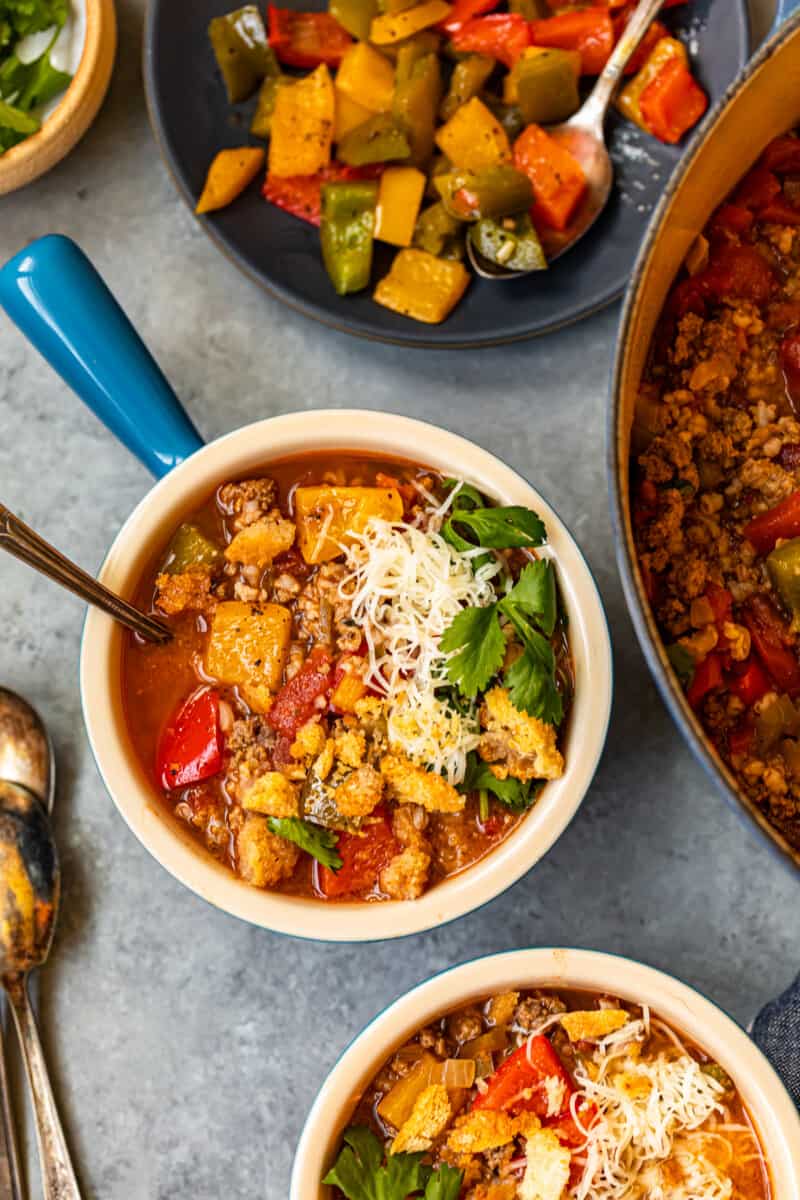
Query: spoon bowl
x=26 y=752
x=30 y=874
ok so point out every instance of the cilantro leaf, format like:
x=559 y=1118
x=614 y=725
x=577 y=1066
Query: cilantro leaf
x=358 y=1171
x=535 y=593
x=467 y=496
x=318 y=842
x=23 y=17
x=475 y=633
x=682 y=663
x=531 y=681
x=513 y=793
x=32 y=84
x=444 y=1184
x=497 y=528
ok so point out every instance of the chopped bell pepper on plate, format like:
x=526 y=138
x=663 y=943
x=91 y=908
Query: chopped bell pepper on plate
x=468 y=77
x=346 y=233
x=399 y=198
x=664 y=51
x=463 y=11
x=355 y=16
x=228 y=176
x=493 y=192
x=349 y=115
x=672 y=103
x=590 y=31
x=544 y=85
x=394 y=27
x=379 y=139
x=261 y=124
x=439 y=233
x=239 y=42
x=557 y=178
x=306 y=39
x=415 y=105
x=301 y=195
x=510 y=242
x=422 y=287
x=367 y=77
x=473 y=138
x=503 y=36
x=302 y=125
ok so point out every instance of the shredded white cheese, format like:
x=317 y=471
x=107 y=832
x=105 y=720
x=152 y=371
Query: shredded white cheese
x=405 y=584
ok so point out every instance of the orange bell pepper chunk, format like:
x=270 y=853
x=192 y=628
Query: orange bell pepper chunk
x=228 y=176
x=672 y=103
x=590 y=31
x=559 y=183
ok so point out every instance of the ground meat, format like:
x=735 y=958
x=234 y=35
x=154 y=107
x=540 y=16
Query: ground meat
x=247 y=501
x=324 y=616
x=249 y=748
x=207 y=814
x=534 y=1009
x=465 y=1025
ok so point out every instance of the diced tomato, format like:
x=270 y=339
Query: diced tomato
x=789 y=355
x=586 y=30
x=192 y=745
x=749 y=681
x=721 y=602
x=306 y=39
x=295 y=703
x=463 y=11
x=559 y=183
x=783 y=155
x=503 y=36
x=737 y=272
x=520 y=1083
x=731 y=219
x=759 y=187
x=768 y=632
x=782 y=521
x=301 y=195
x=363 y=855
x=707 y=676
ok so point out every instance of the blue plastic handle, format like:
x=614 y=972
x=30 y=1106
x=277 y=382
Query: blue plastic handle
x=783 y=10
x=55 y=296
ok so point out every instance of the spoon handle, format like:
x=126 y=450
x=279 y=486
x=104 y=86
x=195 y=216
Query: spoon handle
x=592 y=114
x=21 y=541
x=10 y=1179
x=58 y=1176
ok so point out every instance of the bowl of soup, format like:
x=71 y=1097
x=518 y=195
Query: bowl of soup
x=388 y=683
x=551 y=1074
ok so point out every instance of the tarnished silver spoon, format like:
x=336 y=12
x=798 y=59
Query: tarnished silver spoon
x=26 y=757
x=29 y=898
x=583 y=135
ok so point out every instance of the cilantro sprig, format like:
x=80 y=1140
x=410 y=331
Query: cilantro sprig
x=477 y=646
x=318 y=842
x=473 y=523
x=512 y=793
x=27 y=86
x=363 y=1172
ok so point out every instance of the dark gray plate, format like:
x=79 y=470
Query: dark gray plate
x=193 y=121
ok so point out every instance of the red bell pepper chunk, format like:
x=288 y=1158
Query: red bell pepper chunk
x=707 y=676
x=192 y=745
x=301 y=195
x=520 y=1082
x=655 y=32
x=738 y=272
x=306 y=39
x=363 y=855
x=749 y=681
x=672 y=102
x=759 y=187
x=559 y=184
x=586 y=30
x=731 y=219
x=782 y=521
x=768 y=632
x=463 y=11
x=295 y=703
x=783 y=155
x=503 y=36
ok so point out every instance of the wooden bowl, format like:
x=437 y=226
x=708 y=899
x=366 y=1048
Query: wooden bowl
x=76 y=110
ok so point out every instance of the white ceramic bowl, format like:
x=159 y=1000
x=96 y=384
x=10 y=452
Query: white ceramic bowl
x=252 y=448
x=774 y=1115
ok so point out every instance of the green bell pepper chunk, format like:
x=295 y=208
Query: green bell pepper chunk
x=378 y=139
x=346 y=232
x=190 y=549
x=242 y=50
x=261 y=124
x=493 y=192
x=469 y=76
x=439 y=233
x=416 y=104
x=783 y=567
x=508 y=115
x=319 y=805
x=512 y=243
x=354 y=15
x=547 y=89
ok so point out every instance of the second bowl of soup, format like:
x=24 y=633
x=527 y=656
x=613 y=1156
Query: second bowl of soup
x=389 y=676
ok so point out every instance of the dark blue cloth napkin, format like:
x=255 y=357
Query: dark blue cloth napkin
x=776 y=1030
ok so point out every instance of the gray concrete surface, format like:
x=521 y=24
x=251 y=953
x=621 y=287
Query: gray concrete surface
x=187 y=1047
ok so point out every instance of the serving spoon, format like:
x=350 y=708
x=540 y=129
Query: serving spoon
x=583 y=135
x=26 y=758
x=18 y=539
x=28 y=908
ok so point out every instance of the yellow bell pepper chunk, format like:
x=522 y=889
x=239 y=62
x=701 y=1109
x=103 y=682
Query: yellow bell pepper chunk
x=349 y=115
x=366 y=77
x=473 y=138
x=663 y=52
x=510 y=95
x=228 y=176
x=422 y=287
x=302 y=125
x=394 y=27
x=330 y=517
x=399 y=199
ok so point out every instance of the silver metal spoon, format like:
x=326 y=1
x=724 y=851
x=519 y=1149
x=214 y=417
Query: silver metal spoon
x=18 y=539
x=28 y=909
x=583 y=135
x=26 y=757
